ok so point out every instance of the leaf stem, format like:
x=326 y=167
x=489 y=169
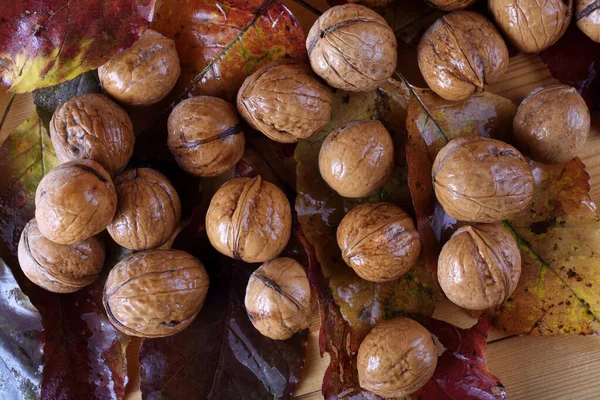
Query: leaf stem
x=309 y=7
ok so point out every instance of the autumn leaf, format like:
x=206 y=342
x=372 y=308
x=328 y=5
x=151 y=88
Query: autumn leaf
x=48 y=42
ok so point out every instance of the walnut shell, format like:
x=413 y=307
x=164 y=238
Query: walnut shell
x=278 y=299
x=461 y=53
x=552 y=123
x=587 y=14
x=379 y=241
x=478 y=179
x=91 y=126
x=352 y=48
x=450 y=5
x=57 y=267
x=148 y=210
x=249 y=219
x=75 y=201
x=143 y=74
x=396 y=358
x=532 y=25
x=285 y=101
x=155 y=293
x=205 y=136
x=357 y=158
x=479 y=266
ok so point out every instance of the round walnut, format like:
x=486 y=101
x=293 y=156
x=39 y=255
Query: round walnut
x=396 y=358
x=144 y=73
x=552 y=123
x=531 y=25
x=249 y=219
x=587 y=14
x=59 y=268
x=479 y=266
x=461 y=53
x=278 y=299
x=450 y=5
x=75 y=201
x=148 y=210
x=285 y=101
x=205 y=136
x=155 y=293
x=379 y=241
x=357 y=158
x=352 y=47
x=478 y=179
x=91 y=126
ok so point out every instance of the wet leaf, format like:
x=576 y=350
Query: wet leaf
x=48 y=42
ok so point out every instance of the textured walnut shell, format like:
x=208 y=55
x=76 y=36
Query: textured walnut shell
x=396 y=358
x=285 y=101
x=479 y=267
x=552 y=123
x=587 y=15
x=148 y=210
x=450 y=5
x=372 y=3
x=91 y=126
x=249 y=219
x=357 y=158
x=144 y=73
x=478 y=179
x=155 y=293
x=75 y=201
x=278 y=299
x=352 y=48
x=532 y=25
x=461 y=53
x=205 y=136
x=379 y=241
x=57 y=267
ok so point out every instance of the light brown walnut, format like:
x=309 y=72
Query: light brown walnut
x=587 y=15
x=450 y=5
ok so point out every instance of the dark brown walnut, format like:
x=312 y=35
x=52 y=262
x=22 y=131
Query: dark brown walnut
x=532 y=25
x=357 y=158
x=461 y=53
x=57 y=267
x=155 y=293
x=205 y=136
x=75 y=201
x=479 y=267
x=379 y=241
x=285 y=101
x=587 y=15
x=372 y=3
x=144 y=73
x=148 y=210
x=352 y=48
x=478 y=179
x=450 y=5
x=396 y=358
x=249 y=219
x=92 y=126
x=278 y=299
x=552 y=124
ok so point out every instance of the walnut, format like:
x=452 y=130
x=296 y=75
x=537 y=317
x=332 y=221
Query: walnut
x=379 y=241
x=75 y=201
x=460 y=53
x=205 y=136
x=148 y=210
x=450 y=5
x=57 y=267
x=532 y=25
x=352 y=48
x=587 y=14
x=479 y=267
x=144 y=73
x=396 y=358
x=552 y=123
x=372 y=3
x=91 y=126
x=155 y=293
x=285 y=101
x=357 y=158
x=249 y=219
x=278 y=299
x=478 y=179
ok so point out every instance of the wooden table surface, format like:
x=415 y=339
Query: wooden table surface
x=547 y=368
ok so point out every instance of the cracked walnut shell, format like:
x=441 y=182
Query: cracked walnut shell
x=587 y=15
x=478 y=179
x=155 y=293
